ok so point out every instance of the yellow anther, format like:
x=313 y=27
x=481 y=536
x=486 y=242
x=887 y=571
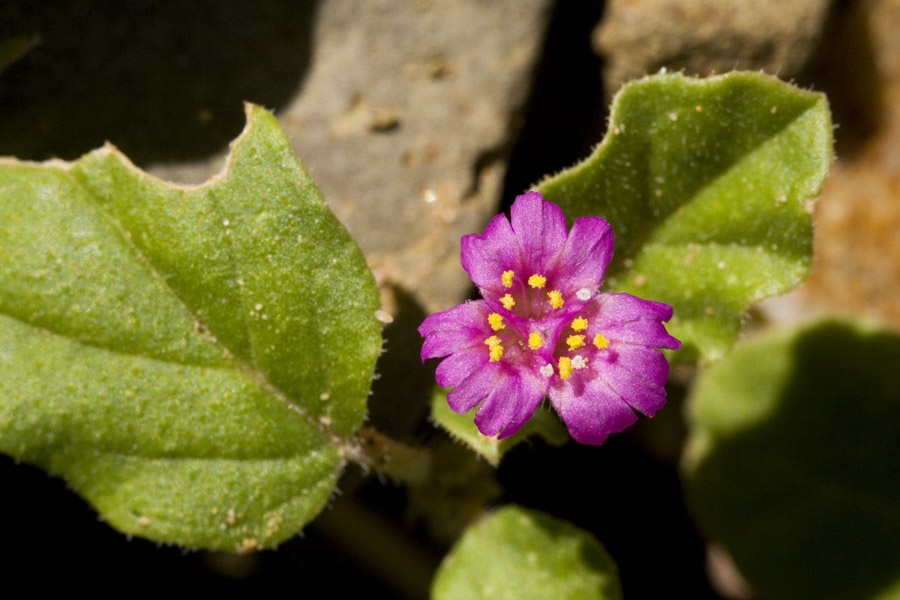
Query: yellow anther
x=508 y=302
x=507 y=278
x=565 y=367
x=579 y=324
x=496 y=348
x=600 y=341
x=535 y=340
x=496 y=322
x=537 y=281
x=556 y=300
x=575 y=341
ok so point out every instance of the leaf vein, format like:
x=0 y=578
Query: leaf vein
x=247 y=369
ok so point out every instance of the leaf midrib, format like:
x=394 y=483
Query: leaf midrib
x=242 y=367
x=82 y=444
x=641 y=238
x=90 y=447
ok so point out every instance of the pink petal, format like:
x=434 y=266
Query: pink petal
x=541 y=230
x=651 y=334
x=625 y=307
x=586 y=254
x=592 y=414
x=637 y=376
x=629 y=319
x=509 y=406
x=461 y=364
x=448 y=331
x=476 y=387
x=647 y=362
x=486 y=256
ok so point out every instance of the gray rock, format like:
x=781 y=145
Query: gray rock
x=404 y=122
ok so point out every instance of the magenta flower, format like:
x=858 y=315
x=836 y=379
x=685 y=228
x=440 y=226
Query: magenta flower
x=545 y=329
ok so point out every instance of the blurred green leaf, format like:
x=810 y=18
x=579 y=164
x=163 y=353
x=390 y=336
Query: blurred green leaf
x=793 y=463
x=519 y=554
x=706 y=183
x=189 y=359
x=543 y=423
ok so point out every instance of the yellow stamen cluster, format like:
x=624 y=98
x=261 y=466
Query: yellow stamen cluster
x=565 y=367
x=507 y=278
x=496 y=322
x=537 y=281
x=600 y=341
x=495 y=348
x=575 y=341
x=535 y=341
x=508 y=301
x=556 y=299
x=579 y=324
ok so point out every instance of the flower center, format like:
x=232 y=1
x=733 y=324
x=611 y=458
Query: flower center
x=511 y=344
x=525 y=297
x=574 y=355
x=518 y=342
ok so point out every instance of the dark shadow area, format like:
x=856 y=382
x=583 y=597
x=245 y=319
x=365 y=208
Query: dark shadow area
x=369 y=523
x=400 y=395
x=57 y=539
x=631 y=502
x=566 y=114
x=164 y=81
x=805 y=496
x=844 y=68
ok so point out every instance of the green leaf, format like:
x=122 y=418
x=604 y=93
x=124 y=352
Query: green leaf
x=189 y=359
x=543 y=423
x=706 y=183
x=520 y=554
x=793 y=463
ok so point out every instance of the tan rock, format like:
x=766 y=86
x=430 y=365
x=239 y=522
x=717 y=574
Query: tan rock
x=857 y=264
x=707 y=36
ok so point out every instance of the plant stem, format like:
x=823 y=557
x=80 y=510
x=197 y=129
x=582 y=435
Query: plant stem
x=371 y=449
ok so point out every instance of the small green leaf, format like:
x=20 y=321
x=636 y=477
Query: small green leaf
x=189 y=359
x=543 y=423
x=793 y=463
x=706 y=183
x=520 y=554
